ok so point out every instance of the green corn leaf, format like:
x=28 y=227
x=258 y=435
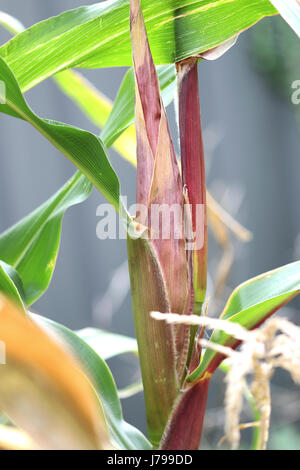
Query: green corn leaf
x=84 y=149
x=250 y=305
x=106 y=344
x=123 y=435
x=96 y=106
x=31 y=246
x=91 y=101
x=98 y=35
x=11 y=284
x=290 y=11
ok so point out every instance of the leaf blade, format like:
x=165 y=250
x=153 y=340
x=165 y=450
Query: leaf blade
x=99 y=35
x=31 y=245
x=85 y=150
x=11 y=284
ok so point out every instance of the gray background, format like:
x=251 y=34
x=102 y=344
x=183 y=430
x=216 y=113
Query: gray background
x=252 y=143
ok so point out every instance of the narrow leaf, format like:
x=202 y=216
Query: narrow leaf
x=131 y=390
x=31 y=246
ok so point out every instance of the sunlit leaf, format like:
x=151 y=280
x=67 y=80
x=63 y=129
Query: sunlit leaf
x=98 y=35
x=117 y=118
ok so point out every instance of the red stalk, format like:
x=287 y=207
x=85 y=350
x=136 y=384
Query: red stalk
x=193 y=167
x=184 y=429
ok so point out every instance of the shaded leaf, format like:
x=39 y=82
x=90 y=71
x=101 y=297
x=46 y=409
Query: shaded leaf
x=31 y=246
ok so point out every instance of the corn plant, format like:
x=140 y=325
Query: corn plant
x=60 y=376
